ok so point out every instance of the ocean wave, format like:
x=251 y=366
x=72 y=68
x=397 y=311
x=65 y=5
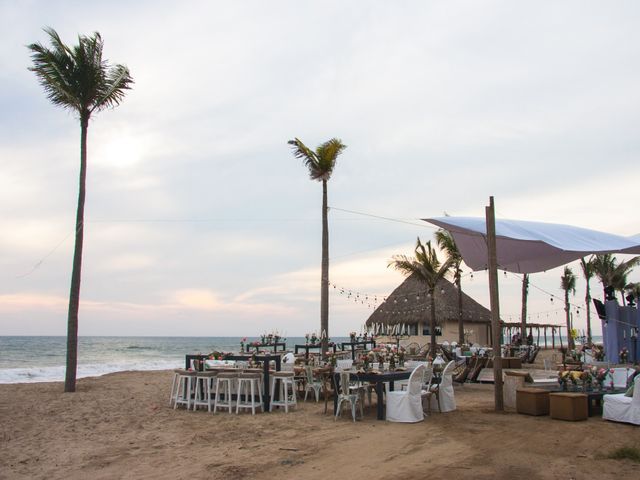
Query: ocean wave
x=56 y=373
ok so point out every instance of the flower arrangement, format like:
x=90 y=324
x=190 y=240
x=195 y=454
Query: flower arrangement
x=624 y=355
x=216 y=355
x=311 y=338
x=243 y=341
x=599 y=375
x=598 y=352
x=332 y=358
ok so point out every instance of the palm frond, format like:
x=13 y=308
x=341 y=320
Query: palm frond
x=77 y=78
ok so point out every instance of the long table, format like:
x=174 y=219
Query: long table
x=378 y=378
x=311 y=346
x=266 y=359
x=273 y=345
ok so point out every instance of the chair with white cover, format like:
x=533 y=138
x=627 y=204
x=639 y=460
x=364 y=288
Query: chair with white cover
x=620 y=408
x=427 y=393
x=443 y=392
x=406 y=405
x=350 y=394
x=343 y=365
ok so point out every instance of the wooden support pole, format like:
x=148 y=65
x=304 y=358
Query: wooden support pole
x=495 y=304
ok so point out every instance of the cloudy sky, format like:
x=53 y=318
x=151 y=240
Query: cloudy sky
x=199 y=220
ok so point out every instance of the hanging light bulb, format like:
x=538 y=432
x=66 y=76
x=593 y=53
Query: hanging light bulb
x=442 y=291
x=405 y=300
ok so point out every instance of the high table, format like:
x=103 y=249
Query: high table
x=378 y=378
x=273 y=346
x=311 y=346
x=266 y=359
x=356 y=344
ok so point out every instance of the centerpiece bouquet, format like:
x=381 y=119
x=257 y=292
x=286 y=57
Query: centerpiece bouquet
x=599 y=375
x=624 y=355
x=353 y=336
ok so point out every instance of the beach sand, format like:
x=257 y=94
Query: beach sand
x=120 y=426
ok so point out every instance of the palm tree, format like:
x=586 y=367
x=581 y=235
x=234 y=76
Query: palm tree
x=613 y=275
x=568 y=284
x=620 y=274
x=588 y=271
x=321 y=163
x=448 y=245
x=429 y=270
x=78 y=79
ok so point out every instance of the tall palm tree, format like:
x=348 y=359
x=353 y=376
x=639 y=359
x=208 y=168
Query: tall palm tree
x=568 y=284
x=78 y=79
x=321 y=163
x=429 y=269
x=446 y=243
x=588 y=271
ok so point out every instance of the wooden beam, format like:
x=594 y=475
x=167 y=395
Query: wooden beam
x=495 y=304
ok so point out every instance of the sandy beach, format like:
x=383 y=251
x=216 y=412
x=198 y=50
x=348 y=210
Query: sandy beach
x=120 y=426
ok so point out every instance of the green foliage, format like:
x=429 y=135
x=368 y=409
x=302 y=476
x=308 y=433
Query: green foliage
x=568 y=281
x=625 y=453
x=77 y=77
x=426 y=264
x=320 y=162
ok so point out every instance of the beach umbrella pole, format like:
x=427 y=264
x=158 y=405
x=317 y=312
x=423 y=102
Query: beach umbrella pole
x=495 y=304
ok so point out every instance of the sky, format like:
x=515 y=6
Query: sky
x=200 y=221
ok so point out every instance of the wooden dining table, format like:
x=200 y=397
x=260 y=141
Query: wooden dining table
x=378 y=379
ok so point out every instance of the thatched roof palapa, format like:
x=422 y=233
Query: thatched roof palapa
x=409 y=304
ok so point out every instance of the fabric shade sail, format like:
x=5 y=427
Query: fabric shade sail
x=530 y=247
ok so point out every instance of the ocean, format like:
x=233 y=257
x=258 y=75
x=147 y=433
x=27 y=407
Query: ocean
x=26 y=359
x=42 y=359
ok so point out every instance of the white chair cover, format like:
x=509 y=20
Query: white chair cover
x=406 y=405
x=445 y=390
x=620 y=408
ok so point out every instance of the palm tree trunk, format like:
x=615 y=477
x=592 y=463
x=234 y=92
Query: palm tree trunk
x=525 y=295
x=324 y=284
x=566 y=309
x=74 y=295
x=587 y=300
x=433 y=323
x=460 y=319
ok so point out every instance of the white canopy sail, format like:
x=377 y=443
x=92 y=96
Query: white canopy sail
x=529 y=247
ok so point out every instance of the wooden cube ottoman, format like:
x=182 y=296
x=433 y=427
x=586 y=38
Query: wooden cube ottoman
x=568 y=406
x=532 y=401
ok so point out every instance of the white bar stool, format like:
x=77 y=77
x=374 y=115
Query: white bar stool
x=184 y=388
x=286 y=381
x=248 y=383
x=205 y=388
x=225 y=383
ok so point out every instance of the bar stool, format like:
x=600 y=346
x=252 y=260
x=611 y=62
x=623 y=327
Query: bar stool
x=174 y=383
x=204 y=389
x=286 y=381
x=184 y=388
x=248 y=383
x=225 y=384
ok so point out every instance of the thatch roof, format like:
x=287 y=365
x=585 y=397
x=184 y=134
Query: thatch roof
x=409 y=304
